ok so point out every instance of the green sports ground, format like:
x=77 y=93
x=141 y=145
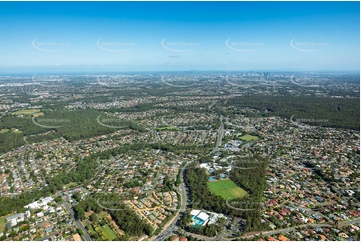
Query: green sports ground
x=226 y=189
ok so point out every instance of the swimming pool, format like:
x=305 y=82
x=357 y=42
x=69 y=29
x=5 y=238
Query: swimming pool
x=212 y=178
x=197 y=221
x=223 y=175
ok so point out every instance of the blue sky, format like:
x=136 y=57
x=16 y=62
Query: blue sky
x=165 y=36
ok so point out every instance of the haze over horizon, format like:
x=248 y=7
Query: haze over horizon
x=179 y=36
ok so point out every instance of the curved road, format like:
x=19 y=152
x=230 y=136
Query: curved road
x=169 y=229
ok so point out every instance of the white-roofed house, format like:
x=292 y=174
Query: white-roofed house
x=34 y=205
x=204 y=165
x=46 y=200
x=195 y=212
x=14 y=219
x=203 y=216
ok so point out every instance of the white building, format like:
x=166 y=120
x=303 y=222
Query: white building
x=205 y=165
x=195 y=212
x=39 y=204
x=14 y=219
x=203 y=216
x=200 y=215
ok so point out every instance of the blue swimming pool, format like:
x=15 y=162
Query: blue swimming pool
x=223 y=175
x=212 y=178
x=197 y=221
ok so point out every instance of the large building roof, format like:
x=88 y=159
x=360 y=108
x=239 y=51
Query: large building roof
x=203 y=216
x=15 y=216
x=195 y=212
x=76 y=237
x=40 y=203
x=46 y=200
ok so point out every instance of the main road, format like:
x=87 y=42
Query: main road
x=219 y=136
x=77 y=222
x=171 y=227
x=184 y=198
x=320 y=225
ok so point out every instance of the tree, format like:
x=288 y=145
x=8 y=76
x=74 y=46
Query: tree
x=80 y=232
x=79 y=212
x=12 y=234
x=94 y=217
x=148 y=230
x=58 y=199
x=102 y=222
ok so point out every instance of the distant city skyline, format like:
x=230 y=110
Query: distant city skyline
x=81 y=37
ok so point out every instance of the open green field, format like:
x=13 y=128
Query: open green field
x=226 y=189
x=72 y=184
x=91 y=229
x=171 y=128
x=4 y=131
x=35 y=112
x=2 y=223
x=248 y=137
x=109 y=233
x=103 y=214
x=16 y=131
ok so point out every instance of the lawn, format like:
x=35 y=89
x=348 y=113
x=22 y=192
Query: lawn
x=35 y=112
x=109 y=233
x=91 y=229
x=13 y=130
x=226 y=189
x=4 y=131
x=248 y=137
x=170 y=128
x=87 y=214
x=16 y=131
x=3 y=223
x=103 y=214
x=72 y=184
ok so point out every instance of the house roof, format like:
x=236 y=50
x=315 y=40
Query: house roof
x=195 y=212
x=271 y=239
x=15 y=216
x=203 y=216
x=76 y=237
x=282 y=238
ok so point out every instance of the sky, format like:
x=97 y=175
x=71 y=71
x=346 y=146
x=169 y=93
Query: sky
x=176 y=36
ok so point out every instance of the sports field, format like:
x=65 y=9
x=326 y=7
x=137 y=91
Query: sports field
x=170 y=128
x=226 y=189
x=2 y=223
x=109 y=233
x=248 y=137
x=35 y=112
